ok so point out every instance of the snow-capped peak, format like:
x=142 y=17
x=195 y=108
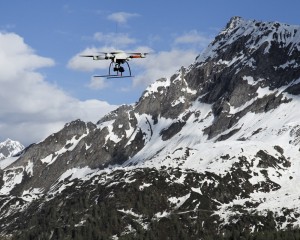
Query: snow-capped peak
x=258 y=34
x=9 y=148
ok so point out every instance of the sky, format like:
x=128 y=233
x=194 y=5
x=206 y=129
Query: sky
x=46 y=84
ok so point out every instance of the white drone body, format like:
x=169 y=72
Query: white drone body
x=117 y=59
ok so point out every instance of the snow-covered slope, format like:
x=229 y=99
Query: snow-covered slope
x=216 y=145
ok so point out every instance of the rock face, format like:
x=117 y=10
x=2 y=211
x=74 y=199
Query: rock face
x=212 y=153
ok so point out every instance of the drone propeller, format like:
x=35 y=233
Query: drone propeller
x=87 y=55
x=95 y=57
x=138 y=55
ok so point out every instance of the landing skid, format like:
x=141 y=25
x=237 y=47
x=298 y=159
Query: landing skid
x=113 y=76
x=119 y=73
x=120 y=76
x=105 y=76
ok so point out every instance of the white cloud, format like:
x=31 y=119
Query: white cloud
x=162 y=64
x=114 y=39
x=16 y=57
x=186 y=48
x=121 y=17
x=87 y=64
x=32 y=108
x=97 y=83
x=193 y=37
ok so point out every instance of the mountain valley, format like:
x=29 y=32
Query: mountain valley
x=210 y=153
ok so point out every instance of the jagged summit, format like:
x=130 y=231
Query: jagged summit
x=219 y=137
x=233 y=22
x=254 y=35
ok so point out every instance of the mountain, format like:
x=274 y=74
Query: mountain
x=9 y=148
x=209 y=153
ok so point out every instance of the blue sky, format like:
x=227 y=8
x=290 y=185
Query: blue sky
x=44 y=83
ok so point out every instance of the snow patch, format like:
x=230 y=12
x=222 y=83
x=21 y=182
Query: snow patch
x=79 y=173
x=178 y=201
x=145 y=185
x=7 y=161
x=161 y=83
x=11 y=178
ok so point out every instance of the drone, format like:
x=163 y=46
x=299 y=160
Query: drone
x=117 y=58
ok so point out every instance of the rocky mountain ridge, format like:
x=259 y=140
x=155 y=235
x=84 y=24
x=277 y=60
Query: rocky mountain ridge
x=211 y=152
